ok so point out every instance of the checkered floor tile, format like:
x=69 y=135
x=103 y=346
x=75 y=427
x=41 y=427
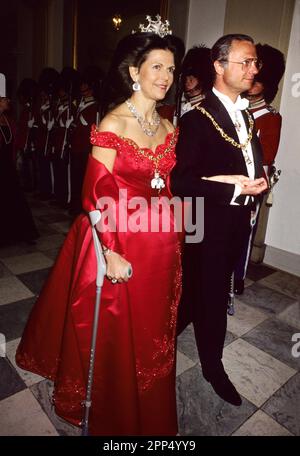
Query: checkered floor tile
x=258 y=351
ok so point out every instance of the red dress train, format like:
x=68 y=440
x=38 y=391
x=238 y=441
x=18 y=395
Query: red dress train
x=134 y=378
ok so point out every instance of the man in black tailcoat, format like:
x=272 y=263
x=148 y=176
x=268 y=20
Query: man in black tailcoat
x=218 y=158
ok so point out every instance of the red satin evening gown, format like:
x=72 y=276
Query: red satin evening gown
x=134 y=378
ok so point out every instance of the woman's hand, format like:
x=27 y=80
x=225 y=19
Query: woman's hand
x=117 y=268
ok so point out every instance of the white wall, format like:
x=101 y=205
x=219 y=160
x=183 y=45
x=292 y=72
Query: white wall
x=205 y=22
x=284 y=221
x=178 y=16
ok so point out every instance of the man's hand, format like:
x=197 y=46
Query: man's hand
x=254 y=187
x=230 y=179
x=248 y=186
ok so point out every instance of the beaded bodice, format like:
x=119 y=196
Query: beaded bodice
x=135 y=166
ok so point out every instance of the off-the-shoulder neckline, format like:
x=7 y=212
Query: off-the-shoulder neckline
x=169 y=135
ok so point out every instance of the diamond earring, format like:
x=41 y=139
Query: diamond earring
x=136 y=86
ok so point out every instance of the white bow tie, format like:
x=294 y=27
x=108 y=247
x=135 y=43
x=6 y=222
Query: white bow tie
x=241 y=104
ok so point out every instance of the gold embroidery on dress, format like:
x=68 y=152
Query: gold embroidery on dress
x=164 y=352
x=158 y=179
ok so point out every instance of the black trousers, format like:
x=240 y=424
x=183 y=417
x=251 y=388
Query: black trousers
x=207 y=269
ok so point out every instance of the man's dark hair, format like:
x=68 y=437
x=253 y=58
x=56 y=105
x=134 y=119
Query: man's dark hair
x=221 y=48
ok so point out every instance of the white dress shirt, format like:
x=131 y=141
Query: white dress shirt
x=234 y=111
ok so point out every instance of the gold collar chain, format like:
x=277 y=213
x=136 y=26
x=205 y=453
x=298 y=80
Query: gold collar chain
x=222 y=132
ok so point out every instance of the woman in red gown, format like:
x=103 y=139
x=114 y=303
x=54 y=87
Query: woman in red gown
x=133 y=154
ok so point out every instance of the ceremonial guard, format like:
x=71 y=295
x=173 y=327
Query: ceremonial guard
x=196 y=78
x=67 y=85
x=268 y=126
x=45 y=121
x=26 y=129
x=194 y=81
x=87 y=114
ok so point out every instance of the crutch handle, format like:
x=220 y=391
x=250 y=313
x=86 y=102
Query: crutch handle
x=95 y=217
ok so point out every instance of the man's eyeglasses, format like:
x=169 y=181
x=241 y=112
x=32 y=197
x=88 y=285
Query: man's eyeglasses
x=247 y=63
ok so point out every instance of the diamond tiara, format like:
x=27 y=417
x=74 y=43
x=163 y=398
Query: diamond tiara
x=158 y=27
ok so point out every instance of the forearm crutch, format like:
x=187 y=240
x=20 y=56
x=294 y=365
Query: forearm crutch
x=230 y=306
x=95 y=217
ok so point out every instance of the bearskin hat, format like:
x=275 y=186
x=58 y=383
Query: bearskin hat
x=272 y=69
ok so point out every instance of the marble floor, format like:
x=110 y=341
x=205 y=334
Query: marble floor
x=261 y=355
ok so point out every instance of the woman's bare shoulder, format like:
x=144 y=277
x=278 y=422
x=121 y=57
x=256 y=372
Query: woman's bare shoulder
x=113 y=121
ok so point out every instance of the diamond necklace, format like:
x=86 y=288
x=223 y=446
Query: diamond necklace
x=149 y=128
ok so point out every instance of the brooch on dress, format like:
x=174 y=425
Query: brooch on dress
x=157 y=181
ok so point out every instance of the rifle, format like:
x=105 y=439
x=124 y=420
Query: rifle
x=273 y=179
x=29 y=146
x=65 y=151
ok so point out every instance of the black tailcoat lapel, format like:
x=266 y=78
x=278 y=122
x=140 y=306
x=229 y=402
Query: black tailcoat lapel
x=256 y=149
x=216 y=108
